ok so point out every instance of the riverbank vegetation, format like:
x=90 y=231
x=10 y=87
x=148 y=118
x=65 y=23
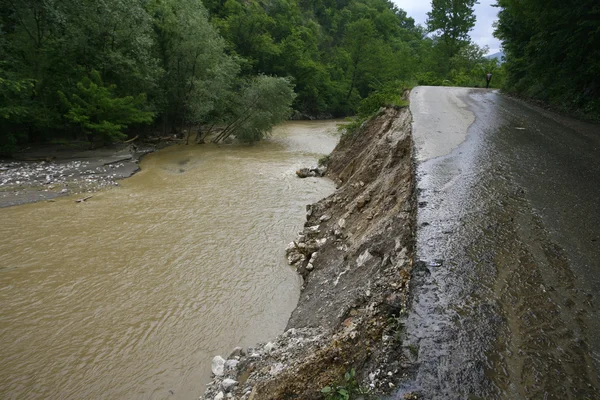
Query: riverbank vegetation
x=552 y=52
x=102 y=71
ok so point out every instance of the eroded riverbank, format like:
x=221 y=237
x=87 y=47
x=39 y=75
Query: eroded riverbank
x=130 y=294
x=356 y=255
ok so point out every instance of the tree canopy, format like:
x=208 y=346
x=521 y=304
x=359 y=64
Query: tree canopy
x=100 y=71
x=552 y=51
x=452 y=20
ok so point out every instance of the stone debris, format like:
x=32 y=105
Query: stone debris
x=356 y=268
x=218 y=365
x=311 y=172
x=29 y=181
x=228 y=384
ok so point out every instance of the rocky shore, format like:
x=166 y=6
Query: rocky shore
x=47 y=173
x=356 y=256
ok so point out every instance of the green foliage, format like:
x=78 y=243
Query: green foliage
x=552 y=52
x=323 y=161
x=14 y=95
x=203 y=63
x=264 y=101
x=390 y=95
x=100 y=113
x=197 y=73
x=414 y=350
x=346 y=390
x=452 y=20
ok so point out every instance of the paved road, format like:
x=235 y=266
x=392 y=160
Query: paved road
x=507 y=296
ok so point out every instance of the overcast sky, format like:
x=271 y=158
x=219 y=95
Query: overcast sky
x=482 y=34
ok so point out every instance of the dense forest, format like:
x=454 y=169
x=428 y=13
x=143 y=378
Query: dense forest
x=552 y=51
x=104 y=70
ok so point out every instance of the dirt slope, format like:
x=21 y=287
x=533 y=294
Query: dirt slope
x=355 y=254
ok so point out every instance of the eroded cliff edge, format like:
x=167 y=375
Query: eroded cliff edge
x=356 y=255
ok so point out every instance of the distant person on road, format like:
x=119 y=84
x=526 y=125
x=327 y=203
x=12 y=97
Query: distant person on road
x=488 y=79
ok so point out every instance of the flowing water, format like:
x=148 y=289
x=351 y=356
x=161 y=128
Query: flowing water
x=505 y=299
x=130 y=294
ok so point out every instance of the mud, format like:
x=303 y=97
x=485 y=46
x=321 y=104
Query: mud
x=356 y=256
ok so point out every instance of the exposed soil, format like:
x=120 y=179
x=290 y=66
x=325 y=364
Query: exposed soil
x=356 y=255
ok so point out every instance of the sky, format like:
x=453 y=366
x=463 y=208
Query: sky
x=482 y=34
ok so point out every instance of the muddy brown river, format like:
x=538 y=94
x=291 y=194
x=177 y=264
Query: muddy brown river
x=130 y=294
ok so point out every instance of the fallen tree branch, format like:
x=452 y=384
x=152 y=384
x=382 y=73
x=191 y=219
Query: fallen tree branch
x=131 y=140
x=83 y=199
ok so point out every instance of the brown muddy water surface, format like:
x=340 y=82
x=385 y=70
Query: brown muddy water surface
x=130 y=294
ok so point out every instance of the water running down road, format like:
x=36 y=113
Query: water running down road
x=506 y=298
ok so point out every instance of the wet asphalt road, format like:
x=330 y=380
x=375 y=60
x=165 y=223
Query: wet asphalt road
x=507 y=293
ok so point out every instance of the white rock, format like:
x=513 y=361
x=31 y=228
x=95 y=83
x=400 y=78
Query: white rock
x=231 y=364
x=228 y=384
x=276 y=369
x=321 y=242
x=325 y=218
x=218 y=365
x=310 y=267
x=342 y=223
x=220 y=396
x=313 y=229
x=269 y=347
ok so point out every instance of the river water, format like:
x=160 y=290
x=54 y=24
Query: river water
x=130 y=294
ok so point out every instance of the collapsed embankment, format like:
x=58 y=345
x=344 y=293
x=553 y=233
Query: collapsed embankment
x=355 y=255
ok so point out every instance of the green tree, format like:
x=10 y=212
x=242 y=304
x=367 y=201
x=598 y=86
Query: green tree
x=552 y=51
x=452 y=20
x=100 y=113
x=197 y=73
x=263 y=102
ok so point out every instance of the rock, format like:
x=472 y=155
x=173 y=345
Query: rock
x=228 y=384
x=342 y=223
x=231 y=364
x=238 y=351
x=294 y=257
x=308 y=211
x=269 y=347
x=325 y=218
x=218 y=365
x=304 y=173
x=64 y=191
x=362 y=201
x=290 y=247
x=220 y=396
x=312 y=229
x=310 y=267
x=320 y=242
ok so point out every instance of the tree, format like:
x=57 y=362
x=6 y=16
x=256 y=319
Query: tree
x=552 y=51
x=100 y=113
x=197 y=73
x=452 y=20
x=264 y=102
